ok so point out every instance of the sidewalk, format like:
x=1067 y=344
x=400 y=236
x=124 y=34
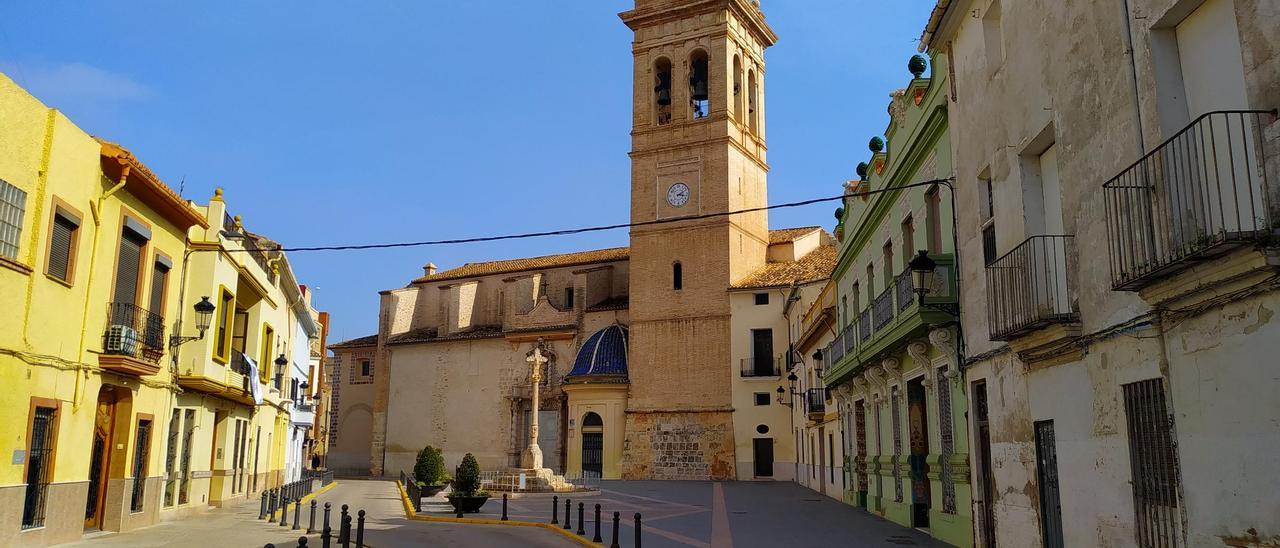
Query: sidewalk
x=385 y=526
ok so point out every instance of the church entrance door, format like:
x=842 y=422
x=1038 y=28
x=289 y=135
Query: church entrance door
x=592 y=445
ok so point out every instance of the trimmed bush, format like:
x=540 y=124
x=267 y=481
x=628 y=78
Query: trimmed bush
x=429 y=468
x=468 y=481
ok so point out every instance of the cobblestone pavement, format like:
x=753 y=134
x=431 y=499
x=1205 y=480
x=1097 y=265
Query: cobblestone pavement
x=719 y=515
x=386 y=526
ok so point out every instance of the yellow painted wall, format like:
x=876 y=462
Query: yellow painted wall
x=610 y=402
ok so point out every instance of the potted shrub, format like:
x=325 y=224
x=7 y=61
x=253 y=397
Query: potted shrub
x=428 y=471
x=467 y=495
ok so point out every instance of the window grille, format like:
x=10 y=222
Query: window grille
x=12 y=207
x=1153 y=459
x=897 y=447
x=39 y=463
x=171 y=457
x=860 y=463
x=141 y=452
x=184 y=479
x=948 y=442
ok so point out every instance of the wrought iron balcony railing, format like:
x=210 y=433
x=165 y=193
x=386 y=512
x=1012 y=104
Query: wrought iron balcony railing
x=762 y=366
x=864 y=325
x=882 y=311
x=904 y=290
x=133 y=331
x=1031 y=286
x=1196 y=195
x=850 y=338
x=815 y=401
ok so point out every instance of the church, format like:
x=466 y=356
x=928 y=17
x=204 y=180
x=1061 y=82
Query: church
x=663 y=358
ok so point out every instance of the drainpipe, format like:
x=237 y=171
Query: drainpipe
x=1133 y=71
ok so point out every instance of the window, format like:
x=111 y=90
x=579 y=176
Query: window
x=888 y=263
x=762 y=398
x=226 y=312
x=1153 y=460
x=133 y=240
x=159 y=283
x=184 y=477
x=13 y=202
x=699 y=85
x=856 y=302
x=933 y=219
x=366 y=368
x=265 y=365
x=662 y=91
x=762 y=353
x=987 y=216
x=568 y=297
x=64 y=234
x=752 y=114
x=677 y=276
x=844 y=305
x=831 y=457
x=42 y=434
x=871 y=282
x=171 y=457
x=141 y=453
x=737 y=96
x=993 y=38
x=762 y=299
x=908 y=241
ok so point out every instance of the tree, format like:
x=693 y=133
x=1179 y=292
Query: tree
x=468 y=481
x=429 y=468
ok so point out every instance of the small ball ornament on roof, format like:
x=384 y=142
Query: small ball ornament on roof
x=876 y=145
x=916 y=65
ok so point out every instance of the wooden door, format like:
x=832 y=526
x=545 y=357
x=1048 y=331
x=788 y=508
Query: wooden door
x=100 y=458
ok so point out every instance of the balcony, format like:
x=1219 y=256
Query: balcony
x=234 y=382
x=815 y=403
x=895 y=317
x=762 y=366
x=1031 y=287
x=133 y=342
x=1196 y=196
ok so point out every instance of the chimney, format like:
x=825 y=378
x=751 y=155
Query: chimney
x=429 y=269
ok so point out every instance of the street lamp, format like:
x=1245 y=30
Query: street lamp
x=925 y=268
x=204 y=313
x=817 y=362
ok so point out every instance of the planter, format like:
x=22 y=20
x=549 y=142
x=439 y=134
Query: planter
x=469 y=505
x=431 y=490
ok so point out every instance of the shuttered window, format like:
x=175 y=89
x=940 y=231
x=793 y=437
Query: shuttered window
x=13 y=202
x=62 y=240
x=128 y=261
x=159 y=281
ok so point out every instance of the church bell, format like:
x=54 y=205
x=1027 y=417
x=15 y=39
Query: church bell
x=663 y=89
x=698 y=81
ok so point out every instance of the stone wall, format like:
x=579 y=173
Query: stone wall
x=679 y=446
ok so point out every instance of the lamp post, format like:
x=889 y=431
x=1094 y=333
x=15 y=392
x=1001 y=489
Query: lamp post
x=924 y=269
x=791 y=380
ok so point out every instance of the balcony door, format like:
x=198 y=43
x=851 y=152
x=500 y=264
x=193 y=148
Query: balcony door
x=762 y=352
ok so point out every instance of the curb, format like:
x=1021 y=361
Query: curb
x=411 y=514
x=307 y=498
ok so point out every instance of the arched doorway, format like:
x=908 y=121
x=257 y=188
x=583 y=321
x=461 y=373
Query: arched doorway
x=592 y=444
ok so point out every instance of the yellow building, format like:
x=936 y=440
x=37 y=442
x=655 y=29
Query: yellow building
x=89 y=238
x=228 y=427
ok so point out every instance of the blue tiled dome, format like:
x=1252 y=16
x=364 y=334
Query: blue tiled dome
x=605 y=353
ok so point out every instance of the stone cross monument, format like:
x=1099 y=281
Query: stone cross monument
x=532 y=457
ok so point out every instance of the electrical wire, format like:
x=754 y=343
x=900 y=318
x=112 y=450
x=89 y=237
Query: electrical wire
x=583 y=230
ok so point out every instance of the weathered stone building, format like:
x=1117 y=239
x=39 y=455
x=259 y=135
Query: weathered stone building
x=1117 y=209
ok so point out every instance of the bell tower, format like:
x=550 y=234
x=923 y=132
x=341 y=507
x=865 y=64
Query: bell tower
x=698 y=148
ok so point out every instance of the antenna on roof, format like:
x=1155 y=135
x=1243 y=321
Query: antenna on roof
x=182 y=185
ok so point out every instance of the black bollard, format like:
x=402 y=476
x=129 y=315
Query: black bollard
x=555 y=509
x=360 y=530
x=568 y=520
x=297 y=515
x=597 y=537
x=344 y=527
x=637 y=529
x=616 y=517
x=262 y=510
x=269 y=545
x=284 y=513
x=581 y=528
x=302 y=542
x=327 y=531
x=271 y=507
x=504 y=507
x=311 y=526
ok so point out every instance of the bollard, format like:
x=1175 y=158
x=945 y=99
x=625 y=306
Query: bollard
x=637 y=529
x=555 y=509
x=297 y=515
x=581 y=528
x=360 y=530
x=284 y=513
x=311 y=526
x=262 y=510
x=616 y=516
x=504 y=507
x=344 y=527
x=597 y=537
x=269 y=545
x=271 y=507
x=327 y=531
x=302 y=542
x=568 y=520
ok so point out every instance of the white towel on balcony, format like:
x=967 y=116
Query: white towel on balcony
x=254 y=386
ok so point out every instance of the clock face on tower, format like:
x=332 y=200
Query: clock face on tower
x=678 y=195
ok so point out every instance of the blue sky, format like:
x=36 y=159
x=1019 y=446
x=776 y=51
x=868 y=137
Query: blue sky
x=357 y=122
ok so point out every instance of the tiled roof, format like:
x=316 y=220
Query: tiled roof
x=370 y=340
x=155 y=192
x=471 y=270
x=489 y=268
x=612 y=303
x=817 y=265
x=430 y=334
x=788 y=235
x=605 y=353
